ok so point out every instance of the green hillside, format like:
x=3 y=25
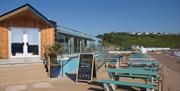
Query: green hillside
x=126 y=40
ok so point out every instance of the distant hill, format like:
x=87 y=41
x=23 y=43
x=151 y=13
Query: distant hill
x=126 y=40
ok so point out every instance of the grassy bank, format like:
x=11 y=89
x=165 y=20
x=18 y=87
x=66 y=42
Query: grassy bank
x=126 y=40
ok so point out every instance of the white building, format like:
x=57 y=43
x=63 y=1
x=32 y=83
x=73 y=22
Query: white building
x=145 y=50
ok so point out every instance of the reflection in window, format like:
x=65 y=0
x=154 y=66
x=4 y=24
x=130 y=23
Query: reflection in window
x=33 y=41
x=16 y=41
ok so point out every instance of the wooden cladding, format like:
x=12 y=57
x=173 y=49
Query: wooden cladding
x=47 y=38
x=25 y=19
x=3 y=42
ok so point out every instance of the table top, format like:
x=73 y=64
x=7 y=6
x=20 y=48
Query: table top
x=143 y=62
x=144 y=68
x=138 y=56
x=133 y=71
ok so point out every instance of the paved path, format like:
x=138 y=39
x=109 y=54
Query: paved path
x=172 y=73
x=22 y=73
x=32 y=79
x=171 y=62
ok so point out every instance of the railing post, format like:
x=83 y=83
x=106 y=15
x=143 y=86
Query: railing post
x=62 y=68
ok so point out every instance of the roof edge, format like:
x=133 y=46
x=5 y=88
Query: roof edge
x=31 y=9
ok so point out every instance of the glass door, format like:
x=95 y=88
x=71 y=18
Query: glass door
x=24 y=42
x=32 y=42
x=17 y=43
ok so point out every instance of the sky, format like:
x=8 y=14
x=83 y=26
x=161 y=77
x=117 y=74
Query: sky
x=103 y=16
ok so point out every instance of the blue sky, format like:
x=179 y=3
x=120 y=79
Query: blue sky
x=100 y=16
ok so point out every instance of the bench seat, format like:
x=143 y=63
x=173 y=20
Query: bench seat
x=136 y=76
x=131 y=84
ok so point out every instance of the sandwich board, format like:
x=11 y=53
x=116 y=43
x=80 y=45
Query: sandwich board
x=86 y=68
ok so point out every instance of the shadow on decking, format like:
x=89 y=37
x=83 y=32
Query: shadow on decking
x=178 y=62
x=126 y=88
x=71 y=76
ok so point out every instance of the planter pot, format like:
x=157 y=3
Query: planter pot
x=54 y=71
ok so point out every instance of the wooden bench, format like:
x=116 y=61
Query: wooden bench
x=144 y=77
x=133 y=71
x=108 y=83
x=143 y=63
x=112 y=62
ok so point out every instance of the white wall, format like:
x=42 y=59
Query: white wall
x=144 y=50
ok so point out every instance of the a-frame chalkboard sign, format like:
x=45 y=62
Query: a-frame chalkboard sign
x=86 y=69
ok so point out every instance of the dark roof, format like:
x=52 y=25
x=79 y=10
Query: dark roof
x=33 y=10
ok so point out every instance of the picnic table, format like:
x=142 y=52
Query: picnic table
x=117 y=56
x=129 y=73
x=114 y=60
x=134 y=73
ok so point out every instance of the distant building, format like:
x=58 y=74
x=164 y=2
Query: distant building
x=133 y=33
x=135 y=47
x=154 y=33
x=74 y=41
x=146 y=33
x=165 y=33
x=139 y=33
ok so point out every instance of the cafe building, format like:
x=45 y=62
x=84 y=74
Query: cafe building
x=24 y=32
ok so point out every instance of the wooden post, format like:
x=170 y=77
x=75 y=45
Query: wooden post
x=47 y=62
x=49 y=65
x=0 y=46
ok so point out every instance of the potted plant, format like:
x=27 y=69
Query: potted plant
x=87 y=49
x=53 y=51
